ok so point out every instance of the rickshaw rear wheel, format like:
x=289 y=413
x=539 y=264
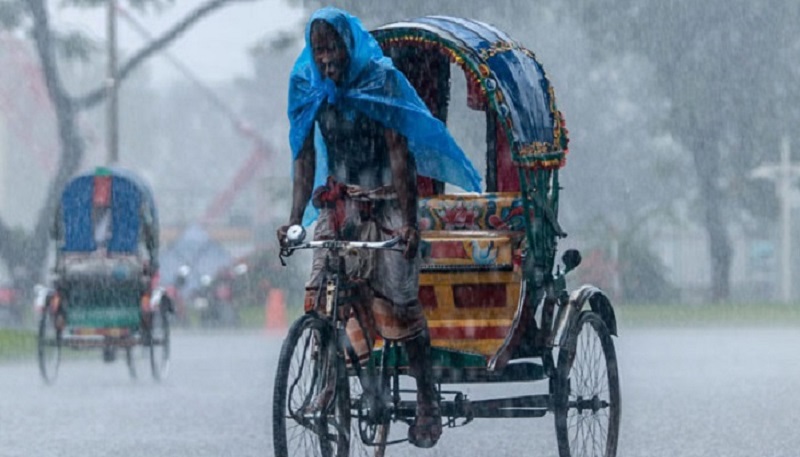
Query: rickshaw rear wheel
x=48 y=347
x=587 y=393
x=158 y=341
x=305 y=360
x=130 y=361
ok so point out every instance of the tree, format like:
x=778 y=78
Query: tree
x=728 y=68
x=52 y=47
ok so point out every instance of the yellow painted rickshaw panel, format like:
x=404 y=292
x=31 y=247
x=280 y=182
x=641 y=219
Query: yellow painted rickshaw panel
x=446 y=310
x=482 y=277
x=470 y=323
x=484 y=347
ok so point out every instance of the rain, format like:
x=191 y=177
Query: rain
x=673 y=174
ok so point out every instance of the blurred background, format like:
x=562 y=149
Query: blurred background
x=677 y=112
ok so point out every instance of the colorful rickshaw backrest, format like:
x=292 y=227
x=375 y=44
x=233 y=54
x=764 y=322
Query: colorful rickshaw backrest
x=109 y=209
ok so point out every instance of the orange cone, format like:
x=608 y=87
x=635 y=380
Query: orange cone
x=275 y=311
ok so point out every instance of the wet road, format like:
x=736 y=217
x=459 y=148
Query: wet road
x=686 y=392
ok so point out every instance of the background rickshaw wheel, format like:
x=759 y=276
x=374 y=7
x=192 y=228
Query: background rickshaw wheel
x=159 y=344
x=304 y=353
x=130 y=361
x=48 y=347
x=587 y=395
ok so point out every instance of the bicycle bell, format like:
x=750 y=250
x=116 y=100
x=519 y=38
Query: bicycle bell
x=295 y=234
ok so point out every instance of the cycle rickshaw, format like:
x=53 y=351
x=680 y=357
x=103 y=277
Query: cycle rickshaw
x=106 y=261
x=496 y=302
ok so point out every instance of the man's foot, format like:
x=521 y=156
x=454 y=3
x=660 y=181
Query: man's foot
x=427 y=427
x=321 y=400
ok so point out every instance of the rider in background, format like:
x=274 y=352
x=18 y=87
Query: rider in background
x=360 y=134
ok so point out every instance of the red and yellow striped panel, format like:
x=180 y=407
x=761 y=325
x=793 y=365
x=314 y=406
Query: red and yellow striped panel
x=471 y=312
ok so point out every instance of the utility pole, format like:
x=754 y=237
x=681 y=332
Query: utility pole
x=112 y=120
x=783 y=175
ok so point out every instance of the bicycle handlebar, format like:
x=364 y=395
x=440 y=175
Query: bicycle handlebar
x=344 y=245
x=296 y=234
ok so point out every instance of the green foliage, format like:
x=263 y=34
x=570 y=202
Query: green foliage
x=643 y=275
x=16 y=244
x=16 y=344
x=729 y=68
x=76 y=45
x=707 y=315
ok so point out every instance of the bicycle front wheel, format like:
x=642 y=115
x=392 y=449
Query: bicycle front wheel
x=307 y=366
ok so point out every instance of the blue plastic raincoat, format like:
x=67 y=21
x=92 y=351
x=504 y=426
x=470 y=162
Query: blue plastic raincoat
x=374 y=87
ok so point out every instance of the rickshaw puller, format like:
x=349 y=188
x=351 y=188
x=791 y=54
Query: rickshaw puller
x=372 y=132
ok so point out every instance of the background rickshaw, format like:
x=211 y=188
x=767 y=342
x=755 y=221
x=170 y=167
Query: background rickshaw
x=106 y=262
x=497 y=304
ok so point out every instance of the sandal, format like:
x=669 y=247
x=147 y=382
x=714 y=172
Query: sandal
x=427 y=427
x=322 y=399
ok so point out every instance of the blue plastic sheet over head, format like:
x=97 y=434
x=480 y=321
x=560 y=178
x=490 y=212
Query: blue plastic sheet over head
x=374 y=87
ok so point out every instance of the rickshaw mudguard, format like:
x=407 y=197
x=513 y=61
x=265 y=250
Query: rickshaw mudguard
x=598 y=303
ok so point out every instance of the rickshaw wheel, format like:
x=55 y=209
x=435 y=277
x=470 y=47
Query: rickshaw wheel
x=130 y=361
x=587 y=395
x=159 y=344
x=303 y=364
x=48 y=347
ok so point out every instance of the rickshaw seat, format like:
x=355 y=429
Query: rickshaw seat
x=122 y=267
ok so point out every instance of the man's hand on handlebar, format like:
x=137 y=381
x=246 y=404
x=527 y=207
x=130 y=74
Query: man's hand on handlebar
x=290 y=235
x=282 y=230
x=410 y=236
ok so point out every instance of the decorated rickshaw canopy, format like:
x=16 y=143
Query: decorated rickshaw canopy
x=510 y=77
x=119 y=196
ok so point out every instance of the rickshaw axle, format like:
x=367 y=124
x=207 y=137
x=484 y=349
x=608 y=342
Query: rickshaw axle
x=462 y=408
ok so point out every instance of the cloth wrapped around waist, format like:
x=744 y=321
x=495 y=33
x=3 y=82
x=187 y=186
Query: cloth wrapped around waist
x=387 y=304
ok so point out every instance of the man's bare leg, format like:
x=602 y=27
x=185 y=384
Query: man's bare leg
x=427 y=427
